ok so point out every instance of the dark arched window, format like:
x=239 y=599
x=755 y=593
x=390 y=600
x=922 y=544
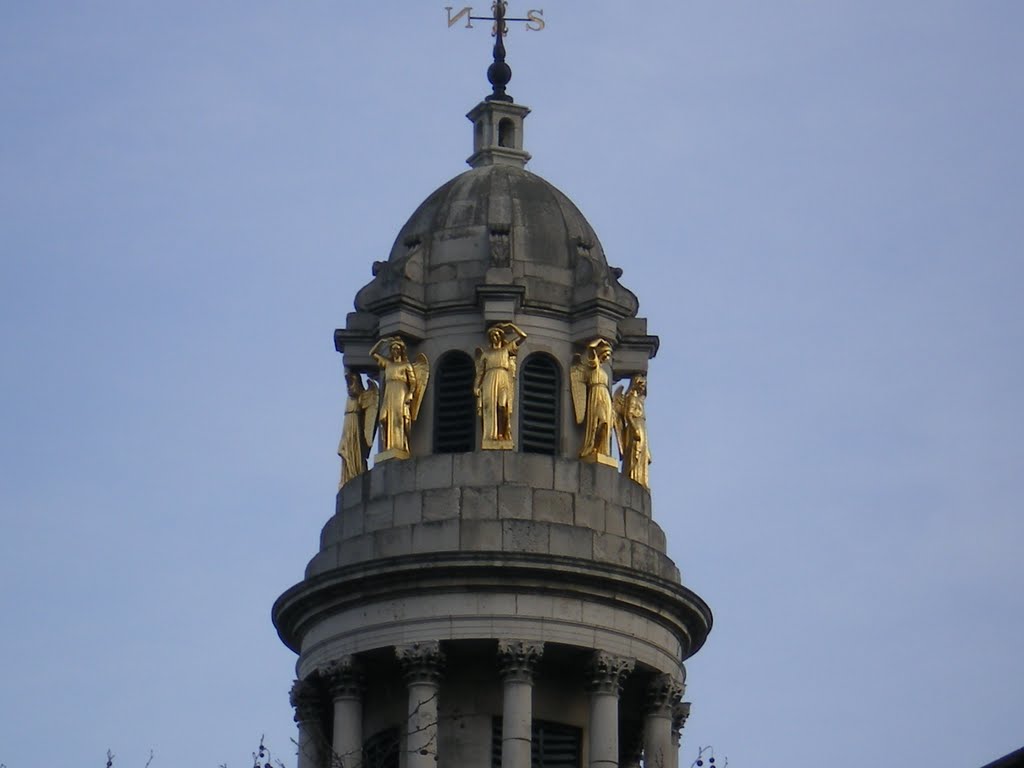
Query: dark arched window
x=454 y=404
x=380 y=750
x=506 y=133
x=539 y=388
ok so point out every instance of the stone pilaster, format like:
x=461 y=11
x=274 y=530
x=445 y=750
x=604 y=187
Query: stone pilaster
x=422 y=664
x=518 y=659
x=305 y=697
x=662 y=697
x=607 y=673
x=344 y=680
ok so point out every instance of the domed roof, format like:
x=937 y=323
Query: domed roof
x=497 y=225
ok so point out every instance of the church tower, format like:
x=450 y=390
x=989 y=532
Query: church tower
x=493 y=589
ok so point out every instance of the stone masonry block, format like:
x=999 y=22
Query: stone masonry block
x=408 y=508
x=380 y=479
x=552 y=507
x=331 y=532
x=515 y=501
x=614 y=520
x=525 y=536
x=352 y=493
x=599 y=480
x=393 y=542
x=440 y=504
x=402 y=475
x=477 y=468
x=479 y=503
x=532 y=469
x=435 y=536
x=567 y=475
x=572 y=541
x=379 y=514
x=644 y=558
x=590 y=512
x=669 y=570
x=325 y=561
x=656 y=537
x=609 y=548
x=352 y=522
x=434 y=471
x=356 y=549
x=636 y=526
x=630 y=493
x=480 y=535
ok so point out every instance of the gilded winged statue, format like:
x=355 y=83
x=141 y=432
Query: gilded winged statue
x=495 y=385
x=631 y=429
x=358 y=426
x=404 y=384
x=592 y=401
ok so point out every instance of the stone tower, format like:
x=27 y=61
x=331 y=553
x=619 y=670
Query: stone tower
x=483 y=599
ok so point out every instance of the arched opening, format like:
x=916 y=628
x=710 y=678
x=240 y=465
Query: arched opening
x=454 y=404
x=539 y=388
x=507 y=133
x=381 y=750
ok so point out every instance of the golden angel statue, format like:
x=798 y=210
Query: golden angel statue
x=358 y=426
x=631 y=430
x=592 y=401
x=495 y=385
x=404 y=384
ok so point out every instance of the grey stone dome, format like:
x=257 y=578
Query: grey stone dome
x=497 y=225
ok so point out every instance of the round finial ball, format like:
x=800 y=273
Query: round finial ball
x=499 y=73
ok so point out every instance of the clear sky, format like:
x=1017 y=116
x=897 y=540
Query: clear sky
x=820 y=205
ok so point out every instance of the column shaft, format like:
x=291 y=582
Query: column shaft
x=516 y=724
x=421 y=736
x=348 y=731
x=659 y=746
x=604 y=730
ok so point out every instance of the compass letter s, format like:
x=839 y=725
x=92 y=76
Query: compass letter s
x=534 y=20
x=467 y=12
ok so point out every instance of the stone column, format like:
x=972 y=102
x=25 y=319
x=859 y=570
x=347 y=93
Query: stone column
x=305 y=697
x=607 y=673
x=345 y=683
x=680 y=712
x=518 y=659
x=421 y=663
x=663 y=694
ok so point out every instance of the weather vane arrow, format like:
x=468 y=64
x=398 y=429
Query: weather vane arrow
x=499 y=73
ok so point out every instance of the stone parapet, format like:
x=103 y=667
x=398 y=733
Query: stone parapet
x=494 y=501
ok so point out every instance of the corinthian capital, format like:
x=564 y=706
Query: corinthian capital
x=518 y=659
x=343 y=677
x=680 y=712
x=663 y=694
x=607 y=672
x=305 y=697
x=421 y=662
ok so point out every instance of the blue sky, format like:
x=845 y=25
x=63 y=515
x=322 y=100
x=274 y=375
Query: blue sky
x=819 y=204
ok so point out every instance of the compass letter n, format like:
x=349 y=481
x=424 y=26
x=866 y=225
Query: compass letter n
x=467 y=12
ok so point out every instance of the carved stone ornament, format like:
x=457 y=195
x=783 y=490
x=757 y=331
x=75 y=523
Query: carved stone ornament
x=663 y=695
x=421 y=662
x=501 y=246
x=608 y=672
x=680 y=712
x=305 y=698
x=343 y=677
x=518 y=659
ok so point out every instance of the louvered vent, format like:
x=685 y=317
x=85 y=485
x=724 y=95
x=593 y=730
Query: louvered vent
x=539 y=387
x=553 y=745
x=381 y=750
x=454 y=404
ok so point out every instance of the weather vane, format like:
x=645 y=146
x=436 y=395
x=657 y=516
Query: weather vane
x=499 y=73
